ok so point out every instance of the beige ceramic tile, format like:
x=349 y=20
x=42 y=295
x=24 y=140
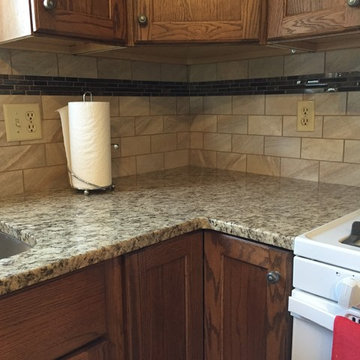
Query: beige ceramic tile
x=266 y=67
x=342 y=127
x=34 y=63
x=263 y=165
x=342 y=60
x=183 y=140
x=249 y=105
x=232 y=124
x=282 y=104
x=173 y=72
x=163 y=142
x=145 y=71
x=248 y=144
x=175 y=159
x=51 y=132
x=329 y=104
x=17 y=99
x=289 y=127
x=306 y=63
x=145 y=125
x=202 y=72
x=114 y=69
x=134 y=105
x=217 y=142
x=55 y=154
x=265 y=125
x=77 y=66
x=206 y=123
x=46 y=178
x=203 y=158
x=135 y=145
x=148 y=163
x=122 y=126
x=353 y=104
x=196 y=140
x=52 y=103
x=218 y=105
x=177 y=123
x=160 y=105
x=230 y=161
x=352 y=151
x=282 y=146
x=232 y=70
x=340 y=173
x=21 y=157
x=11 y=183
x=123 y=166
x=322 y=149
x=196 y=105
x=182 y=105
x=300 y=169
x=5 y=65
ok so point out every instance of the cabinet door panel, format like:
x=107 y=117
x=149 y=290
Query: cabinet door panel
x=92 y=19
x=196 y=20
x=94 y=351
x=164 y=300
x=245 y=317
x=296 y=18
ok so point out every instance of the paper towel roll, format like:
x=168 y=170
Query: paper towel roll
x=88 y=142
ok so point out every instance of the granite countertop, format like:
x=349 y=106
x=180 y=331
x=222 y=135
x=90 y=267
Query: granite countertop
x=68 y=230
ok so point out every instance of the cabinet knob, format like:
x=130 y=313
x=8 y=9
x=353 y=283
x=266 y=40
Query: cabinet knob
x=49 y=4
x=273 y=277
x=142 y=20
x=353 y=3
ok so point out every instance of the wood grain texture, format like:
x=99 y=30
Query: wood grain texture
x=164 y=300
x=102 y=20
x=196 y=20
x=297 y=18
x=20 y=26
x=52 y=319
x=97 y=350
x=245 y=317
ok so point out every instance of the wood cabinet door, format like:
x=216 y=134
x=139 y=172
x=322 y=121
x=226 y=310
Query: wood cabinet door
x=198 y=20
x=95 y=351
x=164 y=300
x=245 y=316
x=296 y=18
x=103 y=20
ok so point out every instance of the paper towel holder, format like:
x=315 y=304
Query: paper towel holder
x=87 y=94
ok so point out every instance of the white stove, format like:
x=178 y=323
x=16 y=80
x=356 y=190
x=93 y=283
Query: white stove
x=326 y=278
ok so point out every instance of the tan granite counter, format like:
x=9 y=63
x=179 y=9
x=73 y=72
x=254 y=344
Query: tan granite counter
x=69 y=231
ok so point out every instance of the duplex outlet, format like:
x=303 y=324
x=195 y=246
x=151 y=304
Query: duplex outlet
x=305 y=116
x=22 y=122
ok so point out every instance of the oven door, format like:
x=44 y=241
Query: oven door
x=313 y=325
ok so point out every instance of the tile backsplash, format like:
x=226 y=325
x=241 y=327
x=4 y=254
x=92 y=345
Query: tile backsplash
x=251 y=133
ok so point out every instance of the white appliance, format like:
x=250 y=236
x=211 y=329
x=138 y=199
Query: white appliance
x=326 y=279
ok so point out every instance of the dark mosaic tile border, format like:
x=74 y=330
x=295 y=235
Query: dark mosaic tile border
x=49 y=85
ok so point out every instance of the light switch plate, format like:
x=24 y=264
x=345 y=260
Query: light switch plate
x=22 y=122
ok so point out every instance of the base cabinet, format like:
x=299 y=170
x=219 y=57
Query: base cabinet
x=246 y=316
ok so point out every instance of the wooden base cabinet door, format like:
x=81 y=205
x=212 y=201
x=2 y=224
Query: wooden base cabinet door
x=103 y=20
x=164 y=300
x=246 y=317
x=169 y=21
x=296 y=18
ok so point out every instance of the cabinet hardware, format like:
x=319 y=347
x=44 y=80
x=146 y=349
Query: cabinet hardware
x=273 y=277
x=353 y=3
x=49 y=4
x=143 y=20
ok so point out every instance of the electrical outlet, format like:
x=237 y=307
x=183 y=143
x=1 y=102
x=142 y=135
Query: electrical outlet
x=305 y=116
x=22 y=122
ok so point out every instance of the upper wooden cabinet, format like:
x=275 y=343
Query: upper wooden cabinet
x=99 y=20
x=304 y=18
x=170 y=21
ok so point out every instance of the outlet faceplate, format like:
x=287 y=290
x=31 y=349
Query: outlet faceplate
x=22 y=122
x=305 y=116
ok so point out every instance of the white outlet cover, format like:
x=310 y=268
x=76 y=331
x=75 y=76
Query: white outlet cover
x=22 y=122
